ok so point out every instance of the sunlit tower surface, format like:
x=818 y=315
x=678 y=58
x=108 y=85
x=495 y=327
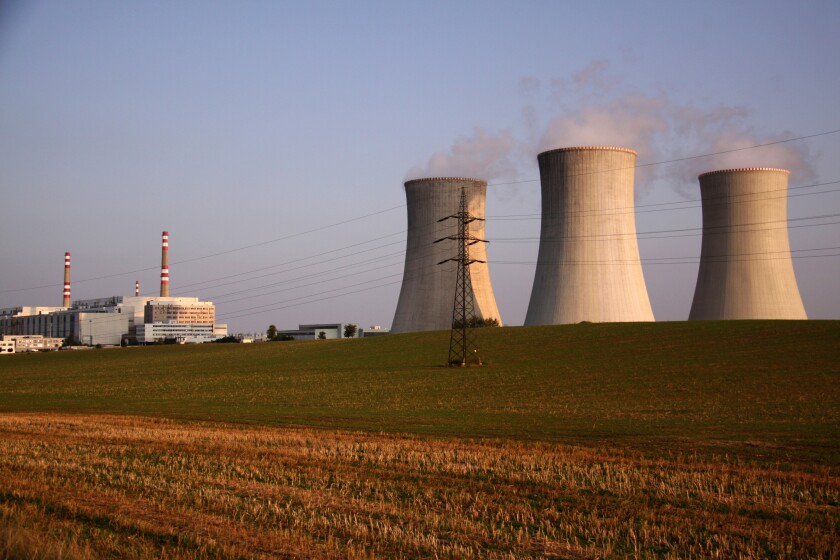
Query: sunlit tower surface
x=428 y=290
x=588 y=267
x=463 y=350
x=746 y=271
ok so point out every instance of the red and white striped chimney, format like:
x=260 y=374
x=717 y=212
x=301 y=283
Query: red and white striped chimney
x=164 y=266
x=136 y=288
x=66 y=301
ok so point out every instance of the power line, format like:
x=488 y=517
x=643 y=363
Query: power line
x=739 y=228
x=632 y=209
x=302 y=259
x=718 y=230
x=379 y=212
x=404 y=231
x=687 y=158
x=283 y=238
x=307 y=266
x=685 y=260
x=298 y=279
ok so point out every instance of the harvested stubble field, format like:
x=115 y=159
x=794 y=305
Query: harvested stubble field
x=668 y=440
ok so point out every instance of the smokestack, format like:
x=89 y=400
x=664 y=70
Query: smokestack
x=66 y=300
x=588 y=268
x=428 y=289
x=136 y=288
x=164 y=266
x=745 y=267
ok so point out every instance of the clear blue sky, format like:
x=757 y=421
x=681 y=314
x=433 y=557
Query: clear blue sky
x=235 y=123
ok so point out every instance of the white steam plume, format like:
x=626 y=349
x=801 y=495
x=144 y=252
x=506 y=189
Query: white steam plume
x=591 y=108
x=482 y=156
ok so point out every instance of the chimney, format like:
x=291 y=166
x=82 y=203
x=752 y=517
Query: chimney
x=164 y=266
x=136 y=288
x=66 y=301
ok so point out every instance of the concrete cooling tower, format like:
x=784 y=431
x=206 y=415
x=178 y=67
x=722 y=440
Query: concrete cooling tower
x=588 y=268
x=745 y=267
x=427 y=295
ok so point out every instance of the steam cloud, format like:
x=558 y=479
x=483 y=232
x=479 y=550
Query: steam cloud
x=483 y=156
x=593 y=109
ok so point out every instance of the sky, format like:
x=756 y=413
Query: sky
x=272 y=140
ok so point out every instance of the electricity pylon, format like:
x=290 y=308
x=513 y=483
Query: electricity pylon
x=462 y=348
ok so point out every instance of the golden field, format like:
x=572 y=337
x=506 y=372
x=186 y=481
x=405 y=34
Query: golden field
x=96 y=486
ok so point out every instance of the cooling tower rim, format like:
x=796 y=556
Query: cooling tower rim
x=739 y=169
x=588 y=149
x=453 y=179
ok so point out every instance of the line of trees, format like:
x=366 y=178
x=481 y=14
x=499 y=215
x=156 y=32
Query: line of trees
x=271 y=333
x=477 y=323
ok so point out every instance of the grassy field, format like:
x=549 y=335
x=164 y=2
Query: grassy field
x=663 y=439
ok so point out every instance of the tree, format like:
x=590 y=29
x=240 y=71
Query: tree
x=271 y=333
x=350 y=330
x=228 y=339
x=476 y=323
x=322 y=335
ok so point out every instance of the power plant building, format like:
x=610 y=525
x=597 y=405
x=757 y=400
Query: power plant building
x=118 y=319
x=427 y=294
x=746 y=271
x=588 y=266
x=109 y=321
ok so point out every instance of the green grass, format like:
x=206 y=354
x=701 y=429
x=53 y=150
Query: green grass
x=772 y=387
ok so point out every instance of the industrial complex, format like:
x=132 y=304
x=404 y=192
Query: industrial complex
x=588 y=267
x=115 y=320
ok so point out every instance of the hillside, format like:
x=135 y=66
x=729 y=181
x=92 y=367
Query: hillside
x=760 y=381
x=584 y=441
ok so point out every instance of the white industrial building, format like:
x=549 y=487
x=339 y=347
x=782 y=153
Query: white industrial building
x=118 y=320
x=32 y=343
x=181 y=333
x=316 y=331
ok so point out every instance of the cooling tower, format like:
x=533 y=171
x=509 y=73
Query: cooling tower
x=745 y=267
x=66 y=298
x=588 y=268
x=427 y=295
x=164 y=265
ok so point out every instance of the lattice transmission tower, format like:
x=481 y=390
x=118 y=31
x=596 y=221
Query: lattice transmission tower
x=462 y=347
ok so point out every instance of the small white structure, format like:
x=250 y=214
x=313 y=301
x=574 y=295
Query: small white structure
x=7 y=346
x=32 y=343
x=373 y=330
x=317 y=331
x=172 y=332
